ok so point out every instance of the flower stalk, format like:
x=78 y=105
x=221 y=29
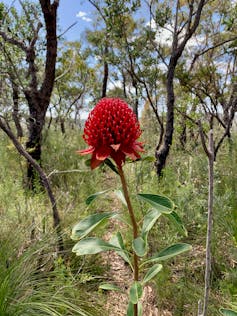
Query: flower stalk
x=134 y=227
x=112 y=130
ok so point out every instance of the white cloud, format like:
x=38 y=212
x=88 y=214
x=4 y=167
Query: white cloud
x=83 y=15
x=164 y=36
x=114 y=84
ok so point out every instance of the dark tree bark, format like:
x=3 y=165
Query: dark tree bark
x=106 y=73
x=15 y=112
x=162 y=151
x=183 y=134
x=39 y=98
x=62 y=125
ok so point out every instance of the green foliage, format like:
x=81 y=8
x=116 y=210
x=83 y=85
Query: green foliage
x=169 y=252
x=109 y=287
x=88 y=224
x=135 y=292
x=152 y=272
x=179 y=284
x=27 y=287
x=160 y=203
x=228 y=312
x=91 y=246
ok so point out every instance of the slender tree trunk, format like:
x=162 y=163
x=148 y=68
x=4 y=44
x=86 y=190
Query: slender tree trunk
x=62 y=125
x=15 y=113
x=209 y=222
x=135 y=107
x=183 y=134
x=106 y=73
x=162 y=152
x=45 y=181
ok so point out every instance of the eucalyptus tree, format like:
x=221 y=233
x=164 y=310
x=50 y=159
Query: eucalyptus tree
x=179 y=19
x=112 y=43
x=34 y=33
x=74 y=79
x=209 y=74
x=150 y=60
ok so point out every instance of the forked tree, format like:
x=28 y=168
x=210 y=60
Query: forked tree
x=35 y=85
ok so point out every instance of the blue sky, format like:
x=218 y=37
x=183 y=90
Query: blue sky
x=70 y=11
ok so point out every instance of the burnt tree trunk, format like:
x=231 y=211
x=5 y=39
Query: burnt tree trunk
x=36 y=123
x=162 y=152
x=15 y=112
x=106 y=73
x=39 y=97
x=62 y=125
x=178 y=47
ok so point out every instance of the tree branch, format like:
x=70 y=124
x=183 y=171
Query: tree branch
x=197 y=55
x=202 y=135
x=43 y=176
x=13 y=41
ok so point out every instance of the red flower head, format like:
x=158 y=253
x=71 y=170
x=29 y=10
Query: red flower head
x=112 y=130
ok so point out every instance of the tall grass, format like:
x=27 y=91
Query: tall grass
x=33 y=281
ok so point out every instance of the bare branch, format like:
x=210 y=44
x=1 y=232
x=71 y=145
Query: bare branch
x=43 y=177
x=202 y=135
x=197 y=55
x=67 y=29
x=36 y=33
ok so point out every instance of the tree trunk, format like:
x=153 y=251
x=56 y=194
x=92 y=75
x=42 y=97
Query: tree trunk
x=162 y=153
x=33 y=145
x=183 y=134
x=106 y=73
x=39 y=99
x=135 y=105
x=15 y=113
x=62 y=125
x=209 y=222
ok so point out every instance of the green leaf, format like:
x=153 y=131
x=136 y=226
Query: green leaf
x=130 y=310
x=88 y=224
x=139 y=307
x=149 y=221
x=91 y=246
x=121 y=197
x=228 y=312
x=109 y=163
x=135 y=292
x=158 y=202
x=88 y=162
x=152 y=272
x=117 y=241
x=174 y=217
x=169 y=252
x=139 y=246
x=92 y=197
x=148 y=158
x=110 y=287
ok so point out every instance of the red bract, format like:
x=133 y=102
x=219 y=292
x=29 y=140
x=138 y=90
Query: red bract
x=112 y=130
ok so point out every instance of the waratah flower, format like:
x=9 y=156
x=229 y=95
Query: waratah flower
x=112 y=130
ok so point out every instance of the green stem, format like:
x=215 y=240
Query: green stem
x=134 y=226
